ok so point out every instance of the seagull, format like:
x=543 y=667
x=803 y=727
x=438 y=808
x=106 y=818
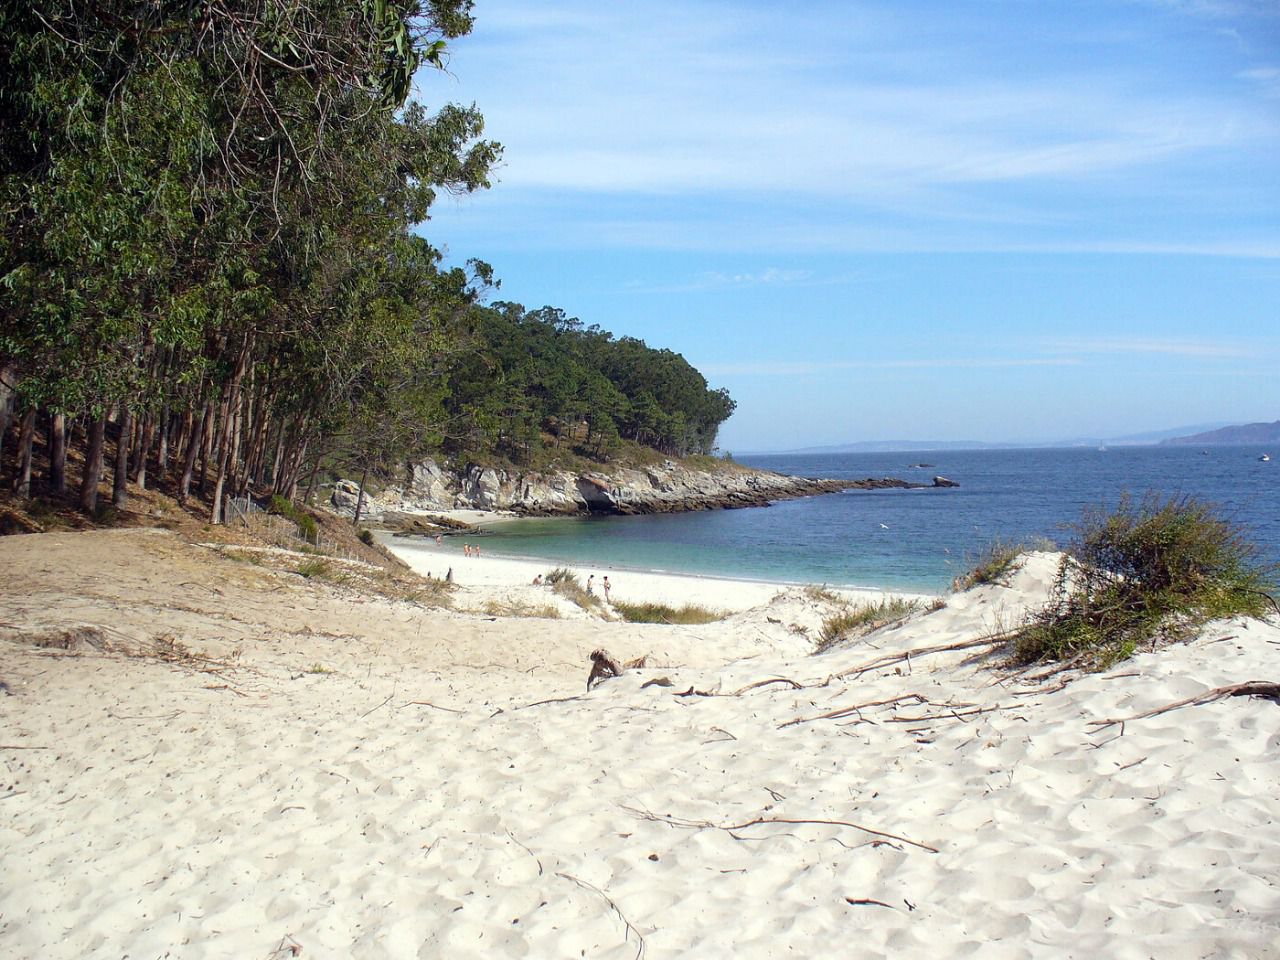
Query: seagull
x=884 y=526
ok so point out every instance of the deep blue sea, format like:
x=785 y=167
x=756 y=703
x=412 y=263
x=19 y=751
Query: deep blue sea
x=910 y=539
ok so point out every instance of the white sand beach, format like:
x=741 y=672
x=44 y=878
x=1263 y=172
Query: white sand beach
x=241 y=762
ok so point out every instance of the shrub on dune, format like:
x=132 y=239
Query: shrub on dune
x=1146 y=573
x=662 y=613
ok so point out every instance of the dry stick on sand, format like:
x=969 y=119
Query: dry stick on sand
x=765 y=683
x=609 y=900
x=427 y=703
x=730 y=827
x=1251 y=688
x=889 y=659
x=915 y=698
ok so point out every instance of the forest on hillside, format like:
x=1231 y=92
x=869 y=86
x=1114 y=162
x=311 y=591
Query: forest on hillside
x=212 y=268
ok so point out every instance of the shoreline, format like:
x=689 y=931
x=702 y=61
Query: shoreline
x=483 y=520
x=636 y=585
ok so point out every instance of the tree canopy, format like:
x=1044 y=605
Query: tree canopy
x=209 y=254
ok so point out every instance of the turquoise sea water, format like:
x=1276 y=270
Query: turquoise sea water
x=907 y=539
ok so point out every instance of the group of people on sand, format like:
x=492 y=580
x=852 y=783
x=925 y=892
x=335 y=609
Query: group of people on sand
x=469 y=551
x=605 y=585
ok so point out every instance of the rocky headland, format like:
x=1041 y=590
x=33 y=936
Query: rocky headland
x=667 y=487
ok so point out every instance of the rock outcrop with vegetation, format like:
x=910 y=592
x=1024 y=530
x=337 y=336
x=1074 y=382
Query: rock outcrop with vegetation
x=666 y=487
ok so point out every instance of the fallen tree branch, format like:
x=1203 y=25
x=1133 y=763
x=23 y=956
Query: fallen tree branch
x=857 y=708
x=427 y=703
x=1252 y=688
x=729 y=828
x=950 y=715
x=889 y=659
x=765 y=683
x=609 y=900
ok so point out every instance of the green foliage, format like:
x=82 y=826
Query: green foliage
x=999 y=561
x=515 y=608
x=662 y=613
x=198 y=198
x=541 y=379
x=315 y=568
x=366 y=537
x=862 y=619
x=823 y=594
x=567 y=584
x=1143 y=574
x=307 y=527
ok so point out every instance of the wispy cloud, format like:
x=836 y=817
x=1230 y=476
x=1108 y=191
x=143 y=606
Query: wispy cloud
x=793 y=368
x=1266 y=79
x=1181 y=347
x=708 y=105
x=720 y=280
x=859 y=127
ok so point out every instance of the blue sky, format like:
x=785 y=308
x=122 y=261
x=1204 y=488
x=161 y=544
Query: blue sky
x=976 y=219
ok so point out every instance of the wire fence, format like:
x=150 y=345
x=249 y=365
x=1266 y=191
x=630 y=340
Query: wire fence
x=280 y=531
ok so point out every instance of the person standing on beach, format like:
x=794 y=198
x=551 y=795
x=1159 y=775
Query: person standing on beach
x=591 y=585
x=605 y=584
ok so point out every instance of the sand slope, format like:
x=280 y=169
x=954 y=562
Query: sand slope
x=418 y=802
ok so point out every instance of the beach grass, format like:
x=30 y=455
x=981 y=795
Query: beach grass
x=821 y=593
x=994 y=565
x=858 y=619
x=517 y=608
x=566 y=583
x=315 y=569
x=689 y=613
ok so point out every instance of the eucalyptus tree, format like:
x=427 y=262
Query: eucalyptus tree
x=194 y=197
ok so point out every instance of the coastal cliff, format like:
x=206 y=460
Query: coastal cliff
x=668 y=487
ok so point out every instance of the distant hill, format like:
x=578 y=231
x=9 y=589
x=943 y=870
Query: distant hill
x=1247 y=433
x=913 y=446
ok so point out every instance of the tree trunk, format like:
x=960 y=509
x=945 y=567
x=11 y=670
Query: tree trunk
x=275 y=467
x=22 y=476
x=7 y=377
x=162 y=457
x=311 y=481
x=206 y=448
x=93 y=464
x=355 y=521
x=144 y=449
x=58 y=454
x=295 y=465
x=189 y=462
x=227 y=447
x=120 y=479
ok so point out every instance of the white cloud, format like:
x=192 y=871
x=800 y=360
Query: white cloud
x=793 y=368
x=827 y=104
x=1181 y=347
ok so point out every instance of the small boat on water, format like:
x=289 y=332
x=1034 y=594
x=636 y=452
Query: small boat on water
x=1265 y=457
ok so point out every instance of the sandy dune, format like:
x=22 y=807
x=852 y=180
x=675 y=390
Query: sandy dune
x=369 y=778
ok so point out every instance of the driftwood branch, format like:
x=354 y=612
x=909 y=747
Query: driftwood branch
x=889 y=659
x=609 y=900
x=1252 y=688
x=730 y=827
x=765 y=683
x=914 y=698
